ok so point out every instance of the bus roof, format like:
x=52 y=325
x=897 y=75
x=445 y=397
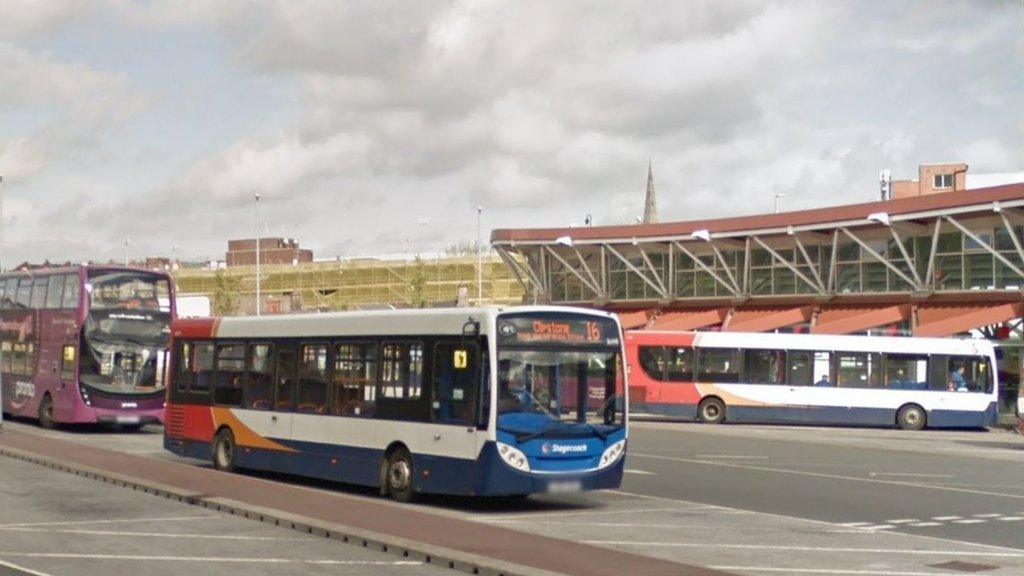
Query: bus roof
x=361 y=323
x=822 y=342
x=74 y=268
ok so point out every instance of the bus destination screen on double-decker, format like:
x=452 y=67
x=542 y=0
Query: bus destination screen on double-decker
x=557 y=331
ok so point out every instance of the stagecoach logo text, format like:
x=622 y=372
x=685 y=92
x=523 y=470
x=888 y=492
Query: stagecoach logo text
x=24 y=389
x=507 y=330
x=555 y=448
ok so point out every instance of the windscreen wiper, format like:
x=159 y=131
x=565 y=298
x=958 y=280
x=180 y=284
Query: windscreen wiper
x=527 y=436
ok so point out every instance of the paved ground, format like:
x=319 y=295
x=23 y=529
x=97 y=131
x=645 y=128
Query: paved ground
x=777 y=500
x=55 y=523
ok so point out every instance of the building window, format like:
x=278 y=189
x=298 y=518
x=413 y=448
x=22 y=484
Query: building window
x=943 y=181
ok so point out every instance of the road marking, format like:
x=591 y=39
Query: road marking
x=533 y=515
x=1011 y=518
x=855 y=524
x=839 y=572
x=22 y=569
x=829 y=549
x=831 y=476
x=596 y=524
x=150 y=534
x=902 y=521
x=912 y=474
x=925 y=524
x=969 y=521
x=732 y=456
x=109 y=521
x=986 y=515
x=947 y=518
x=640 y=472
x=879 y=527
x=831 y=525
x=211 y=559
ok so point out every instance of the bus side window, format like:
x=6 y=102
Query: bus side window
x=652 y=361
x=679 y=364
x=54 y=291
x=969 y=374
x=39 y=292
x=227 y=386
x=10 y=293
x=202 y=368
x=258 y=391
x=24 y=297
x=284 y=389
x=183 y=371
x=402 y=370
x=938 y=376
x=719 y=365
x=312 y=391
x=355 y=379
x=70 y=297
x=455 y=382
x=764 y=366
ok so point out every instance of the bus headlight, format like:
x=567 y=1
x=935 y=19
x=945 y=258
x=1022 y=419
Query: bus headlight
x=513 y=457
x=612 y=453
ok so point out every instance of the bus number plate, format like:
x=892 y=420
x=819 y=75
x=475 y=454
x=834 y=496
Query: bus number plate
x=563 y=486
x=127 y=419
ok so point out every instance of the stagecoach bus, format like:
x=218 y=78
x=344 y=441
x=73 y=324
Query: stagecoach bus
x=470 y=401
x=813 y=379
x=85 y=344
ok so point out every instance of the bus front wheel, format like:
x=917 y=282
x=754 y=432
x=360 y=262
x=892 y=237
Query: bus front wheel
x=46 y=413
x=399 y=475
x=911 y=417
x=711 y=411
x=224 y=451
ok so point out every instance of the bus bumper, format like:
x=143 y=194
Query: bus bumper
x=499 y=479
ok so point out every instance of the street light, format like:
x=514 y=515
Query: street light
x=127 y=242
x=479 y=260
x=257 y=196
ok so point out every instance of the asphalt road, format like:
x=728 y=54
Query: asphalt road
x=961 y=486
x=758 y=500
x=54 y=524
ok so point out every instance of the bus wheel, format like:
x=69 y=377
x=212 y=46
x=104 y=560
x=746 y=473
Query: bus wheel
x=711 y=411
x=911 y=417
x=46 y=413
x=224 y=451
x=399 y=476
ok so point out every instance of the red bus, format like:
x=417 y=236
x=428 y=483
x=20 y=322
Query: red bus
x=85 y=344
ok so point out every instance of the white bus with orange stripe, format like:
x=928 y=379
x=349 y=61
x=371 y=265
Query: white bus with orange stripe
x=484 y=401
x=813 y=379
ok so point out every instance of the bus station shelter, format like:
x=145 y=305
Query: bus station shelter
x=935 y=265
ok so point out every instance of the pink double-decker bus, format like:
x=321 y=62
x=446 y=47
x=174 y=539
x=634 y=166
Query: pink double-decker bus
x=85 y=344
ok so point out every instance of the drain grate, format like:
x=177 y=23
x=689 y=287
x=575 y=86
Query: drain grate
x=966 y=567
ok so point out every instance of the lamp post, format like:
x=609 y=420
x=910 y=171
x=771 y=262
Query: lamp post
x=257 y=196
x=479 y=260
x=2 y=224
x=127 y=242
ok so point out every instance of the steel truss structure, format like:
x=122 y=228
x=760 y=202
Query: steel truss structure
x=930 y=266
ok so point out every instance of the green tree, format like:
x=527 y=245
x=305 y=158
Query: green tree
x=227 y=292
x=418 y=283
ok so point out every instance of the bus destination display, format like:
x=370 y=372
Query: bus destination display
x=559 y=331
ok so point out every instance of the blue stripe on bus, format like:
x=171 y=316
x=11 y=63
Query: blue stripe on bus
x=827 y=415
x=487 y=476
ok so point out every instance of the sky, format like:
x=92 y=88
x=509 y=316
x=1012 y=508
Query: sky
x=379 y=127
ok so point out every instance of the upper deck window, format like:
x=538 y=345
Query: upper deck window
x=128 y=290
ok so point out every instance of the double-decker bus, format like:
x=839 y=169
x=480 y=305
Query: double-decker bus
x=481 y=401
x=813 y=379
x=85 y=344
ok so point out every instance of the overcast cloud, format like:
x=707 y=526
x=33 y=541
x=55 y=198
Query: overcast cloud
x=378 y=127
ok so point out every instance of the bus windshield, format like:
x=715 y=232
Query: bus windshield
x=560 y=392
x=127 y=290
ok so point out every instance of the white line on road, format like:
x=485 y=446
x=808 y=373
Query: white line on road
x=831 y=525
x=911 y=474
x=639 y=472
x=22 y=569
x=879 y=527
x=732 y=456
x=855 y=524
x=1011 y=518
x=109 y=521
x=925 y=524
x=535 y=515
x=969 y=521
x=837 y=572
x=595 y=524
x=211 y=559
x=902 y=521
x=828 y=549
x=947 y=518
x=831 y=476
x=986 y=515
x=150 y=534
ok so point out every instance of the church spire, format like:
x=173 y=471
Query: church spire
x=650 y=203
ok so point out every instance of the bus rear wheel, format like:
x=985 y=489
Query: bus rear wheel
x=711 y=411
x=911 y=417
x=46 y=413
x=224 y=451
x=399 y=476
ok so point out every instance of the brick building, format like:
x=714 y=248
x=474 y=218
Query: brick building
x=272 y=251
